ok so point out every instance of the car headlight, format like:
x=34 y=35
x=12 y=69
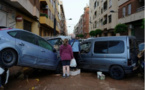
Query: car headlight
x=1 y=71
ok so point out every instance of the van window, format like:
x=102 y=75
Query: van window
x=116 y=47
x=101 y=47
x=109 y=47
x=85 y=47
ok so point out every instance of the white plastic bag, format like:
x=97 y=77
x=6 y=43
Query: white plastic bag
x=73 y=63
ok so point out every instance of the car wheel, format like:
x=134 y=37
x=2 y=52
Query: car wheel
x=8 y=58
x=59 y=68
x=117 y=72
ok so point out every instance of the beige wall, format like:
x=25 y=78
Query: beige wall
x=34 y=29
x=28 y=6
x=101 y=15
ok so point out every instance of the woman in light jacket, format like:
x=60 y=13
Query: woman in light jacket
x=66 y=55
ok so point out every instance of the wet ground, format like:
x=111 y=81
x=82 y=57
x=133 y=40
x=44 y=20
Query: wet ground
x=47 y=80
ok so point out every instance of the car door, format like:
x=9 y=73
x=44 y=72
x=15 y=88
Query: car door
x=47 y=57
x=85 y=55
x=29 y=51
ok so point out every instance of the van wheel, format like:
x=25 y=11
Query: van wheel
x=8 y=58
x=59 y=68
x=117 y=72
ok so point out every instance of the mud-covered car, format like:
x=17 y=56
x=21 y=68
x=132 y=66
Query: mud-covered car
x=116 y=55
x=23 y=48
x=56 y=41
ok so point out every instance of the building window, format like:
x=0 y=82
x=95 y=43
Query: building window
x=95 y=5
x=123 y=12
x=105 y=6
x=101 y=22
x=110 y=18
x=110 y=3
x=27 y=25
x=129 y=9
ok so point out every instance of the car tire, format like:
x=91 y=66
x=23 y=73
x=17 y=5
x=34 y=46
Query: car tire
x=117 y=72
x=8 y=58
x=59 y=68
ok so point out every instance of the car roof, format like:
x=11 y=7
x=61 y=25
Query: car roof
x=56 y=37
x=109 y=37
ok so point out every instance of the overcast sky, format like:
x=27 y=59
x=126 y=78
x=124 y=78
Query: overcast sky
x=73 y=9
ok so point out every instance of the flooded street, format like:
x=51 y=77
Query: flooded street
x=46 y=80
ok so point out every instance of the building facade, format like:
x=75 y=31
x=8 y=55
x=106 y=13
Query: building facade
x=63 y=30
x=22 y=14
x=86 y=22
x=49 y=18
x=101 y=17
x=78 y=29
x=131 y=13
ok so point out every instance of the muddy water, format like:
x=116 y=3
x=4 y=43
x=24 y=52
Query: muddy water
x=46 y=80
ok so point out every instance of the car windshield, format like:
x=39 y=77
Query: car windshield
x=55 y=43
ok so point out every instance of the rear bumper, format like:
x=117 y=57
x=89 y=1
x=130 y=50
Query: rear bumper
x=130 y=69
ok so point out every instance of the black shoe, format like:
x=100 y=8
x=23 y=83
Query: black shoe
x=63 y=76
x=67 y=76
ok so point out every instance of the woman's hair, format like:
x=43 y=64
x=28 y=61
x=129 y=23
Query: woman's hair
x=65 y=42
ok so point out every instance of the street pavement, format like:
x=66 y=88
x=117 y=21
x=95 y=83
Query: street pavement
x=87 y=80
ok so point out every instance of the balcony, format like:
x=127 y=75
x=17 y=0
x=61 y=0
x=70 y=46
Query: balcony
x=133 y=17
x=44 y=20
x=140 y=9
x=27 y=6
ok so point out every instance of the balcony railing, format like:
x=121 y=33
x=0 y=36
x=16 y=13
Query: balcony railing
x=140 y=9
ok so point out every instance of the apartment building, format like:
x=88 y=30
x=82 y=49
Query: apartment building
x=22 y=14
x=101 y=17
x=131 y=13
x=76 y=29
x=49 y=18
x=79 y=26
x=86 y=22
x=63 y=30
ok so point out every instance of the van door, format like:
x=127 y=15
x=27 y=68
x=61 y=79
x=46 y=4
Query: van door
x=107 y=53
x=85 y=55
x=99 y=53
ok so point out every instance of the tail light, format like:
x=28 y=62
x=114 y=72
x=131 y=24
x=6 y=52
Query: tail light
x=129 y=62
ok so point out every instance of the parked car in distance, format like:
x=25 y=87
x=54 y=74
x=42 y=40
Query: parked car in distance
x=23 y=48
x=4 y=75
x=56 y=41
x=116 y=55
x=81 y=40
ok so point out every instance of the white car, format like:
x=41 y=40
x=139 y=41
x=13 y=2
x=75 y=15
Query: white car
x=4 y=75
